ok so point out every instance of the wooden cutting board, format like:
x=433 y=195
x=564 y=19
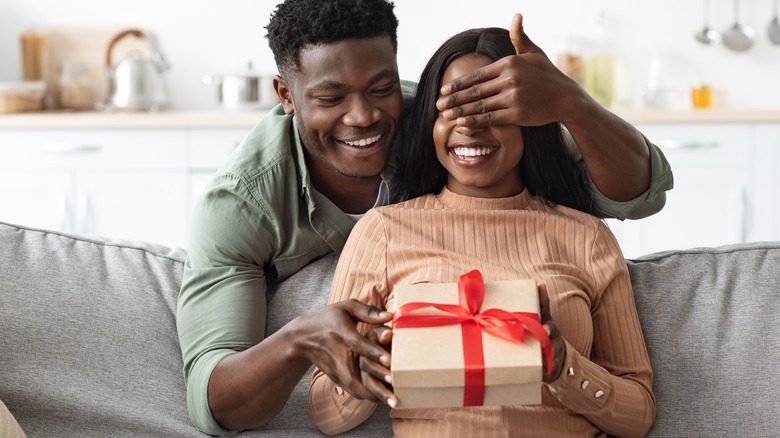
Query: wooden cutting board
x=87 y=45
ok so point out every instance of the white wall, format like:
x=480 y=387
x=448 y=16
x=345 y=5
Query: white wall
x=217 y=36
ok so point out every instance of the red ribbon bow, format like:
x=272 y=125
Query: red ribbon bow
x=511 y=326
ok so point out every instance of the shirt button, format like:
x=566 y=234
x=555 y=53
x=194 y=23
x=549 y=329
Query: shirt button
x=599 y=394
x=339 y=391
x=585 y=384
x=571 y=371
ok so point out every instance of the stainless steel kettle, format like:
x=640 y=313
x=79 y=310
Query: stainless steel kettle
x=136 y=83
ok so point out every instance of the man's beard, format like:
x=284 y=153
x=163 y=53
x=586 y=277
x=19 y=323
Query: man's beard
x=317 y=154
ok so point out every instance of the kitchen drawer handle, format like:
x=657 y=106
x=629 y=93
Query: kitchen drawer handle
x=64 y=148
x=687 y=145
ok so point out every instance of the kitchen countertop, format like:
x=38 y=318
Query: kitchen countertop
x=701 y=116
x=133 y=120
x=224 y=119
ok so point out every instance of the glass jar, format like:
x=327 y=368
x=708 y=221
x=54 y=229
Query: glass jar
x=701 y=97
x=587 y=55
x=73 y=86
x=599 y=77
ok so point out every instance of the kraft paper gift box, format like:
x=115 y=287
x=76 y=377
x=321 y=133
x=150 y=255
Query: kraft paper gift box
x=428 y=362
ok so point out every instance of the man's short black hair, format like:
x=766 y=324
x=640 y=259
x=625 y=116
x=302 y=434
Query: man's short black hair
x=297 y=24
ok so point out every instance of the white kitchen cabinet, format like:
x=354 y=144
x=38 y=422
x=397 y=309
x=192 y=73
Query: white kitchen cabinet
x=135 y=184
x=713 y=200
x=208 y=149
x=118 y=183
x=766 y=182
x=137 y=176
x=128 y=205
x=36 y=199
x=147 y=206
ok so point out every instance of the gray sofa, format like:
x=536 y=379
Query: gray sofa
x=88 y=343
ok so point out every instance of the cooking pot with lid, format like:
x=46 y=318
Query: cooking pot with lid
x=246 y=90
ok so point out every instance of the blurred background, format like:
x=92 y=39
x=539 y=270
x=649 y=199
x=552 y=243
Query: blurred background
x=698 y=77
x=645 y=52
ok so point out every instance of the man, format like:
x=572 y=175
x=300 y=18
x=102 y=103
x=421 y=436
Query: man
x=321 y=159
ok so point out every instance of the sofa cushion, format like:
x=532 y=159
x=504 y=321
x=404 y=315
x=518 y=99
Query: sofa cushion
x=710 y=318
x=305 y=292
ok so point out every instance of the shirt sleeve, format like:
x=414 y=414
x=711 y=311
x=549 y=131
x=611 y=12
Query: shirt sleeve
x=612 y=388
x=360 y=274
x=644 y=205
x=222 y=303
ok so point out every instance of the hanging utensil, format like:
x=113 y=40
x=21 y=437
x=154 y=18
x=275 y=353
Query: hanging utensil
x=707 y=35
x=738 y=38
x=774 y=26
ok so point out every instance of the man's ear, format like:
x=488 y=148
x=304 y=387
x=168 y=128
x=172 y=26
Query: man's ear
x=284 y=92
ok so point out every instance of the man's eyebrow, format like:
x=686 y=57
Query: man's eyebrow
x=329 y=85
x=334 y=85
x=387 y=73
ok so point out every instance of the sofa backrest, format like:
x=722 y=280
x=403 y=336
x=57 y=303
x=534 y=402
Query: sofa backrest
x=711 y=320
x=88 y=341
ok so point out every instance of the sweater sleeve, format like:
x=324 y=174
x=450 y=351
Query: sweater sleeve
x=612 y=388
x=360 y=274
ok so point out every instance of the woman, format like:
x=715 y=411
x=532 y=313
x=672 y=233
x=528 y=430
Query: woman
x=504 y=200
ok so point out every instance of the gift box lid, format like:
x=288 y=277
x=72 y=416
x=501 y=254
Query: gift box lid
x=433 y=356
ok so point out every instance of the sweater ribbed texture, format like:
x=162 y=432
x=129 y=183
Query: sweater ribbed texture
x=438 y=238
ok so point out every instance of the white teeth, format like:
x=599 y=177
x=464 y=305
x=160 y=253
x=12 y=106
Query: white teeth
x=467 y=152
x=364 y=141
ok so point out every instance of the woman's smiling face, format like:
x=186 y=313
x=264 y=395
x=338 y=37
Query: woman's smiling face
x=481 y=162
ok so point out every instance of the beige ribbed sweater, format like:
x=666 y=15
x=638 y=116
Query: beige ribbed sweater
x=606 y=386
x=9 y=428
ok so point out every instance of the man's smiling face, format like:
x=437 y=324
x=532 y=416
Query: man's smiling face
x=347 y=103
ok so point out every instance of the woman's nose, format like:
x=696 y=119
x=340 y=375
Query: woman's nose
x=362 y=113
x=467 y=130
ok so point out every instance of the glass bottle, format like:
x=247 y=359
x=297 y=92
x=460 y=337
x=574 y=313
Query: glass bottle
x=32 y=44
x=600 y=62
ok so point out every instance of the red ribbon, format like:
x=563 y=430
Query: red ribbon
x=511 y=326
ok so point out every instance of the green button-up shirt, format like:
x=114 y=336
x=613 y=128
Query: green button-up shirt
x=260 y=219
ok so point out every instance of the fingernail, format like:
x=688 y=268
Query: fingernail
x=389 y=379
x=391 y=402
x=383 y=359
